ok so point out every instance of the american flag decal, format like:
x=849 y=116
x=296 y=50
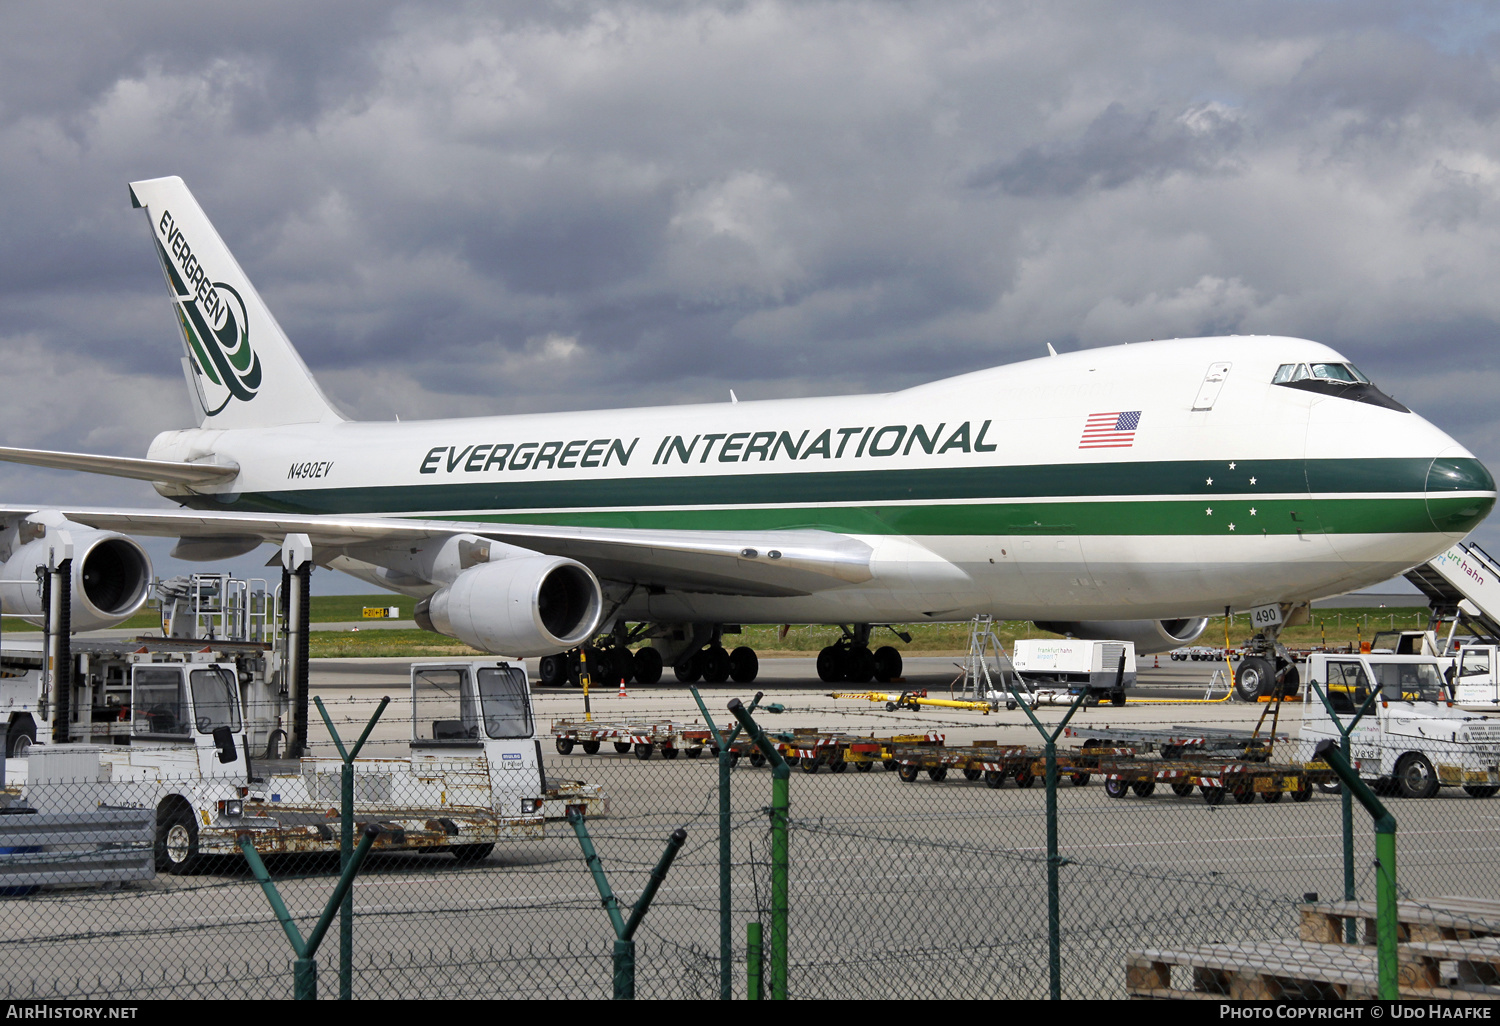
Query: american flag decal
x=1110 y=430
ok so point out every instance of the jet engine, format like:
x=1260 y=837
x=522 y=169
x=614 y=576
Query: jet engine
x=524 y=605
x=1149 y=635
x=111 y=573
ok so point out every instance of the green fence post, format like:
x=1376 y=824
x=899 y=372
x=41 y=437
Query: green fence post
x=726 y=940
x=1054 y=860
x=752 y=961
x=1385 y=867
x=624 y=946
x=346 y=840
x=1346 y=799
x=780 y=847
x=305 y=969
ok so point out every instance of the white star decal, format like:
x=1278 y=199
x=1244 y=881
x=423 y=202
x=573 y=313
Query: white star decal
x=1231 y=466
x=1231 y=527
x=1252 y=480
x=1252 y=511
x=1209 y=511
x=1210 y=480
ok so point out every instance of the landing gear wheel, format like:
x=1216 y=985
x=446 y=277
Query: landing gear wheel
x=888 y=664
x=1144 y=788
x=744 y=665
x=715 y=665
x=553 y=670
x=1415 y=777
x=1253 y=678
x=590 y=747
x=647 y=665
x=1114 y=787
x=859 y=665
x=1480 y=790
x=622 y=747
x=831 y=664
x=615 y=666
x=1182 y=790
x=643 y=752
x=907 y=772
x=690 y=669
x=176 y=840
x=601 y=669
x=564 y=745
x=467 y=853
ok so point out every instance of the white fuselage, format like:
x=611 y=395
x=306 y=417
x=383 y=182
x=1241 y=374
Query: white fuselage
x=978 y=494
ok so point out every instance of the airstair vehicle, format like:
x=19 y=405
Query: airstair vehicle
x=1463 y=587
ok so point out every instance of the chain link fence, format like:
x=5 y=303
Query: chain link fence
x=902 y=886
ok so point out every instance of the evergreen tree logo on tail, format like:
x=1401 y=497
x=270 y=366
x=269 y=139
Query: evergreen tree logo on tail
x=214 y=325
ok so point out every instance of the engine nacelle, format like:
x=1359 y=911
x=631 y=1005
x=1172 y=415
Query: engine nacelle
x=520 y=606
x=111 y=573
x=1149 y=635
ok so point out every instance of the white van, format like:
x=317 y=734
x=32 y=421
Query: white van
x=1414 y=740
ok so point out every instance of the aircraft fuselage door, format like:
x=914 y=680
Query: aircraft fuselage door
x=1213 y=381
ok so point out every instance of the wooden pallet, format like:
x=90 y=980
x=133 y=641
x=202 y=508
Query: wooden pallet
x=1300 y=971
x=1253 y=971
x=1477 y=964
x=1432 y=919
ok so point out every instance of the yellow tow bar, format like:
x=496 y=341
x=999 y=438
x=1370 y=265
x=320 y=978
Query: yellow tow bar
x=908 y=700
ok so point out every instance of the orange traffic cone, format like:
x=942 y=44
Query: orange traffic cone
x=622 y=693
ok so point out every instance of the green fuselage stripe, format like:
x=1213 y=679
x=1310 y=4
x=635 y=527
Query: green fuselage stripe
x=951 y=501
x=1331 y=516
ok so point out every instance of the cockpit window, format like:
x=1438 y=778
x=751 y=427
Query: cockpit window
x=1338 y=372
x=1342 y=380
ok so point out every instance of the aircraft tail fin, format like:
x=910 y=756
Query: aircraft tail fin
x=242 y=369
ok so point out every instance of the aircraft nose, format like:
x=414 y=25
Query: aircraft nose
x=1460 y=492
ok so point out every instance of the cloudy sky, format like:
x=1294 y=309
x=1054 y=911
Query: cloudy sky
x=462 y=209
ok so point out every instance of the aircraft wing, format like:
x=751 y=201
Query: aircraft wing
x=721 y=562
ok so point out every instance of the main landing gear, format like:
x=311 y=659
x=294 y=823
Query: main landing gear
x=851 y=659
x=608 y=664
x=611 y=662
x=715 y=665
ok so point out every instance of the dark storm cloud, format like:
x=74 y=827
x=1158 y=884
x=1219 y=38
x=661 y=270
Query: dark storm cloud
x=1120 y=147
